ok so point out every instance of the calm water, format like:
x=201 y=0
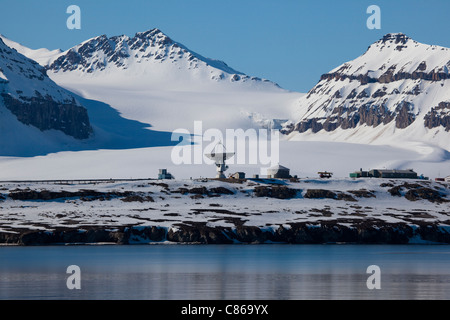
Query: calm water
x=225 y=272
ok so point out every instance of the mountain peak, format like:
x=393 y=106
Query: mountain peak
x=145 y=54
x=396 y=88
x=41 y=56
x=151 y=32
x=154 y=35
x=393 y=41
x=395 y=38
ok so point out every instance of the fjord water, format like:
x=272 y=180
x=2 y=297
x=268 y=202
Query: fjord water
x=268 y=272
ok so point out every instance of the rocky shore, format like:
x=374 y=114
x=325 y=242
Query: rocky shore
x=371 y=211
x=300 y=233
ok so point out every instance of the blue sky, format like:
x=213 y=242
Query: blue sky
x=291 y=42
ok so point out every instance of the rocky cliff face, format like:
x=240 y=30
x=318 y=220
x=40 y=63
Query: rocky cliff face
x=439 y=116
x=397 y=82
x=27 y=92
x=47 y=114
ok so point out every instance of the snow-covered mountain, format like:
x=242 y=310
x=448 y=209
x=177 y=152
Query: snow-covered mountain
x=171 y=94
x=397 y=91
x=128 y=84
x=28 y=97
x=38 y=117
x=41 y=56
x=139 y=55
x=151 y=78
x=142 y=55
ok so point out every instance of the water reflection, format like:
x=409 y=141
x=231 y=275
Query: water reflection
x=225 y=272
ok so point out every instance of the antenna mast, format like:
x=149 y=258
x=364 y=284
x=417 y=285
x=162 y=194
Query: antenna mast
x=219 y=158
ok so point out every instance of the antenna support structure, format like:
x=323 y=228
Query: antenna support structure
x=219 y=159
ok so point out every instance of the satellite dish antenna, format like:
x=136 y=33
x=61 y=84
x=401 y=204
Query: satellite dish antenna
x=219 y=158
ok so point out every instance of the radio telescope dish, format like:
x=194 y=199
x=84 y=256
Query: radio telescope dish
x=219 y=159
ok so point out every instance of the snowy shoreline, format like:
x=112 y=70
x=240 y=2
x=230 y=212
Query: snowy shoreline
x=303 y=211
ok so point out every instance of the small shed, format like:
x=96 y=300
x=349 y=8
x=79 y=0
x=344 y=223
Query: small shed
x=163 y=174
x=359 y=174
x=278 y=172
x=238 y=175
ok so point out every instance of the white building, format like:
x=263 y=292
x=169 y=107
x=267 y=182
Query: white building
x=278 y=172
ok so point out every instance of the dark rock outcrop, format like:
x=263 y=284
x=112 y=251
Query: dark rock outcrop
x=415 y=191
x=348 y=118
x=138 y=198
x=320 y=194
x=198 y=233
x=438 y=116
x=140 y=234
x=75 y=59
x=362 y=232
x=395 y=191
x=221 y=190
x=387 y=77
x=312 y=124
x=424 y=193
x=279 y=192
x=405 y=117
x=45 y=114
x=46 y=195
x=327 y=194
x=69 y=236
